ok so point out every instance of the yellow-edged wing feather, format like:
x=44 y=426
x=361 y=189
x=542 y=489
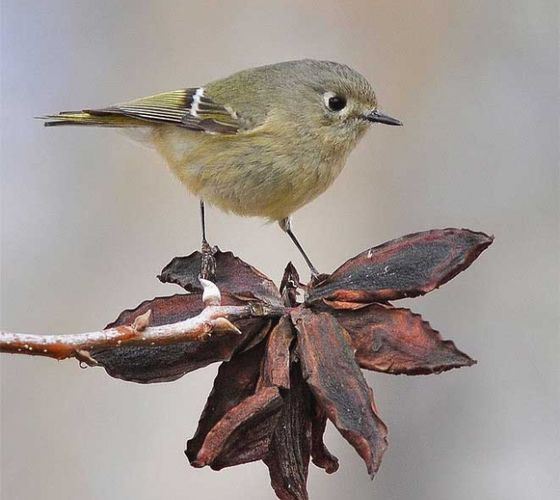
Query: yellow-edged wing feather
x=188 y=108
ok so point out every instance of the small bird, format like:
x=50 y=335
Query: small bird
x=262 y=142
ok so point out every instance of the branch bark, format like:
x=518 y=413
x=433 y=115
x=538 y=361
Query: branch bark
x=213 y=319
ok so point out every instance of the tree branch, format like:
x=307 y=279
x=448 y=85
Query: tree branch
x=213 y=319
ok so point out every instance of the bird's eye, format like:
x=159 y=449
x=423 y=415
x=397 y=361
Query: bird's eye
x=334 y=102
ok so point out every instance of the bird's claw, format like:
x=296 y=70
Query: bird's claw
x=208 y=262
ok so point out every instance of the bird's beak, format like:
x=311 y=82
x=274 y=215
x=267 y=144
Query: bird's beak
x=377 y=116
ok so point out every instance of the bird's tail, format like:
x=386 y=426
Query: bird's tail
x=99 y=118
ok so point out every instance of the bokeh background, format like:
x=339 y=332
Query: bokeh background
x=89 y=219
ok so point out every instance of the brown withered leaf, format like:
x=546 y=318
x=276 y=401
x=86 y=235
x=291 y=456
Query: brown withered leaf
x=406 y=267
x=251 y=424
x=320 y=455
x=149 y=364
x=295 y=364
x=236 y=381
x=243 y=434
x=284 y=377
x=330 y=370
x=398 y=341
x=250 y=441
x=288 y=456
x=276 y=363
x=232 y=274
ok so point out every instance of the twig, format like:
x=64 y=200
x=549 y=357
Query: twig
x=213 y=319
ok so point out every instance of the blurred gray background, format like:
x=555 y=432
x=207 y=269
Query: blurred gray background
x=89 y=219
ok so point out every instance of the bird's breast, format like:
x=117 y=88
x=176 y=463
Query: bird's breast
x=251 y=174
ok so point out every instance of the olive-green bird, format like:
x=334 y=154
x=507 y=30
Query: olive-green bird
x=262 y=142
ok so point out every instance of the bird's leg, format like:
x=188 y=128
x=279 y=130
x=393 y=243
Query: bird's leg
x=286 y=225
x=208 y=262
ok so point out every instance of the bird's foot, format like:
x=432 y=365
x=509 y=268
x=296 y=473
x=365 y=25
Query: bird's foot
x=313 y=271
x=208 y=262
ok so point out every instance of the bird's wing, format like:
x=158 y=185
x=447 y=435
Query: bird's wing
x=189 y=108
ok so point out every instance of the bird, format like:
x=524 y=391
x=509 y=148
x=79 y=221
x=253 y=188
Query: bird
x=262 y=142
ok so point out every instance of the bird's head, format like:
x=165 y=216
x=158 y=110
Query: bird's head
x=325 y=101
x=331 y=100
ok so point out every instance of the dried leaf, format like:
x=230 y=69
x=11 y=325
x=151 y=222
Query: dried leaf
x=240 y=415
x=232 y=275
x=277 y=387
x=338 y=385
x=251 y=441
x=288 y=457
x=339 y=304
x=276 y=364
x=320 y=456
x=236 y=381
x=398 y=341
x=149 y=364
x=406 y=267
x=243 y=434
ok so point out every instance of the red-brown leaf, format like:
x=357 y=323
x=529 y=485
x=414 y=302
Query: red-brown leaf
x=232 y=275
x=236 y=381
x=148 y=364
x=288 y=457
x=320 y=455
x=406 y=267
x=338 y=385
x=276 y=364
x=398 y=341
x=243 y=434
